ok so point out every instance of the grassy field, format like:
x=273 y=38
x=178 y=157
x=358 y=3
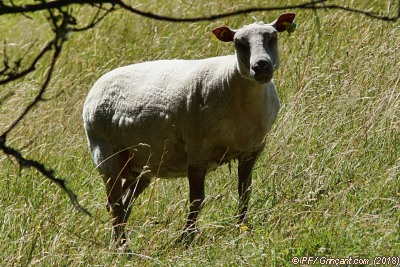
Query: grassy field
x=327 y=184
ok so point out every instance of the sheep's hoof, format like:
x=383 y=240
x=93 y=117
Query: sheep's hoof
x=186 y=238
x=120 y=244
x=124 y=250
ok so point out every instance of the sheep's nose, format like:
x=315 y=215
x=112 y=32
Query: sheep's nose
x=261 y=66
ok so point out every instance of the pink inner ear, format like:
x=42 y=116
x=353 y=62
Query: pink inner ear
x=286 y=17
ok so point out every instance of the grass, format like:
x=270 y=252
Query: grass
x=327 y=183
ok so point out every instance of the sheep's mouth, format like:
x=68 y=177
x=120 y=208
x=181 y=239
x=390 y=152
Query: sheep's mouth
x=262 y=78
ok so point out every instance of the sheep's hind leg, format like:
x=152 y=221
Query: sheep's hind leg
x=245 y=168
x=114 y=169
x=132 y=188
x=115 y=207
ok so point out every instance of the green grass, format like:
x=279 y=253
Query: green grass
x=327 y=183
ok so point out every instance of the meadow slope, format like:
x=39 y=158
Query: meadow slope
x=327 y=183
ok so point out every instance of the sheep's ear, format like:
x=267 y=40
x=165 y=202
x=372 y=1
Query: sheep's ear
x=224 y=34
x=284 y=22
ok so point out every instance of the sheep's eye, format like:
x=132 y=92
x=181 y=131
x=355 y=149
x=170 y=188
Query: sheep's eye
x=273 y=38
x=239 y=42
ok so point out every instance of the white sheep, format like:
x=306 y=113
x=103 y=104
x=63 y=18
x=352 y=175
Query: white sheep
x=174 y=118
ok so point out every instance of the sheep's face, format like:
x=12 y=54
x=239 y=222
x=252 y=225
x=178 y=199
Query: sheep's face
x=257 y=51
x=257 y=47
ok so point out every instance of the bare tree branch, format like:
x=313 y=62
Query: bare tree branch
x=313 y=5
x=43 y=170
x=60 y=30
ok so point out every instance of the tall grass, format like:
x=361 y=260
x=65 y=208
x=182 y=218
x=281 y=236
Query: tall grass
x=326 y=185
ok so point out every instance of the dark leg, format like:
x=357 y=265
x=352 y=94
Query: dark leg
x=132 y=189
x=120 y=194
x=245 y=168
x=196 y=176
x=116 y=207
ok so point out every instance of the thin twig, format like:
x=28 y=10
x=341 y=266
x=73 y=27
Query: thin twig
x=12 y=76
x=97 y=18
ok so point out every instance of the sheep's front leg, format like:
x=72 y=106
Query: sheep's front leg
x=245 y=168
x=196 y=176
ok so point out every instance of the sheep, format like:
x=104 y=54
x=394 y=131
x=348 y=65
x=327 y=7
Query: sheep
x=176 y=118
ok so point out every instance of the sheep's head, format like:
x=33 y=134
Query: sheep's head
x=256 y=46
